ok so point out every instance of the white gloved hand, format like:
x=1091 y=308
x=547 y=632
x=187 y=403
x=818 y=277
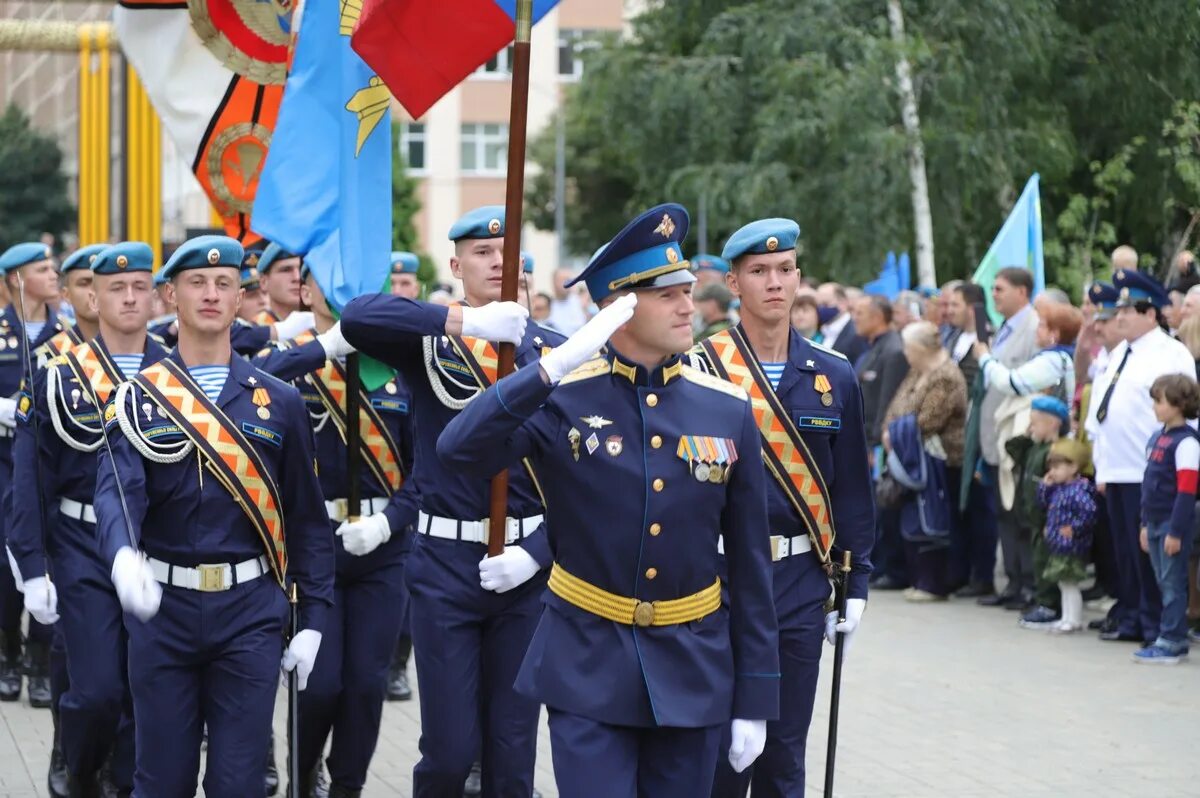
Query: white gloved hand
x=334 y=343
x=301 y=654
x=508 y=570
x=365 y=535
x=41 y=600
x=294 y=324
x=136 y=587
x=587 y=340
x=495 y=321
x=854 y=614
x=8 y=412
x=747 y=740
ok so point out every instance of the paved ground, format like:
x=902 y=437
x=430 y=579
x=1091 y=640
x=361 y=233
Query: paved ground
x=947 y=700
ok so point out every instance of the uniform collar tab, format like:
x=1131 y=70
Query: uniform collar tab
x=638 y=375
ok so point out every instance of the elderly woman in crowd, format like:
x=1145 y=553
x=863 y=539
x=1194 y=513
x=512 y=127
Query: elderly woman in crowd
x=1052 y=369
x=935 y=394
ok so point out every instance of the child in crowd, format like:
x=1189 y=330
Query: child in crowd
x=1070 y=503
x=1169 y=510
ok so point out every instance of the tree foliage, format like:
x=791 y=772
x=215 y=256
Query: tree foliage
x=33 y=187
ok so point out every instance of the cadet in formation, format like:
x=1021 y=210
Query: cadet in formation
x=54 y=469
x=472 y=616
x=349 y=680
x=808 y=410
x=208 y=509
x=279 y=279
x=75 y=277
x=640 y=663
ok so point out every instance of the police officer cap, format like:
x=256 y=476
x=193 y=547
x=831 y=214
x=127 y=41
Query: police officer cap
x=762 y=236
x=249 y=272
x=1053 y=406
x=272 y=255
x=1103 y=297
x=20 y=255
x=82 y=258
x=703 y=260
x=1134 y=286
x=128 y=256
x=203 y=253
x=527 y=262
x=485 y=222
x=404 y=263
x=646 y=254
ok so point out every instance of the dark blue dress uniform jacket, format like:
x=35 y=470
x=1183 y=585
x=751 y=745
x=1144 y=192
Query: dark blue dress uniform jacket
x=615 y=525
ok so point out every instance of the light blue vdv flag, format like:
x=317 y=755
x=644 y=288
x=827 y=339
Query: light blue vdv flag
x=326 y=187
x=888 y=282
x=1019 y=243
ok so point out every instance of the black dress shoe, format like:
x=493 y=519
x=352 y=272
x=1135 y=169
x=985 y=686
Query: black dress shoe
x=996 y=599
x=56 y=778
x=398 y=688
x=1120 y=637
x=271 y=781
x=474 y=783
x=1102 y=625
x=887 y=583
x=975 y=590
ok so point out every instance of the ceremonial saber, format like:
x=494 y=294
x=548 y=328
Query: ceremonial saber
x=839 y=652
x=353 y=438
x=293 y=729
x=513 y=199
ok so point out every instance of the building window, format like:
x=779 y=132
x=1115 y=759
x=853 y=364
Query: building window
x=484 y=148
x=412 y=146
x=499 y=65
x=571 y=45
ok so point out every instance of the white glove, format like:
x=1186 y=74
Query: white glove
x=365 y=535
x=495 y=321
x=854 y=614
x=41 y=600
x=294 y=324
x=588 y=339
x=334 y=343
x=8 y=412
x=301 y=654
x=508 y=570
x=136 y=587
x=748 y=738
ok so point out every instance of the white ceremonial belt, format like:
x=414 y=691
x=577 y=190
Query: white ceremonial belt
x=475 y=531
x=77 y=510
x=339 y=509
x=208 y=578
x=781 y=547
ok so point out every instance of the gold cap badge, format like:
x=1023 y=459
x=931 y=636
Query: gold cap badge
x=494 y=226
x=772 y=243
x=666 y=227
x=213 y=256
x=122 y=261
x=672 y=255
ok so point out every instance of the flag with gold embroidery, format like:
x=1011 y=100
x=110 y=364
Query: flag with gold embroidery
x=326 y=188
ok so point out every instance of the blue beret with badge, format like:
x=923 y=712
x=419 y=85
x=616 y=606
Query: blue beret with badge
x=20 y=255
x=272 y=255
x=761 y=237
x=484 y=222
x=404 y=263
x=82 y=258
x=703 y=260
x=527 y=262
x=1134 y=286
x=646 y=254
x=204 y=252
x=128 y=256
x=1103 y=297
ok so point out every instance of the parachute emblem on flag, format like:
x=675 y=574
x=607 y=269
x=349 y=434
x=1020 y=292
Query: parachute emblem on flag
x=250 y=37
x=370 y=103
x=235 y=161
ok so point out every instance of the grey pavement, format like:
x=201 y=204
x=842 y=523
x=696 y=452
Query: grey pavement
x=938 y=700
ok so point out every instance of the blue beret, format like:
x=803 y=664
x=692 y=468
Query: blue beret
x=527 y=262
x=646 y=254
x=20 y=255
x=404 y=263
x=1052 y=405
x=1135 y=286
x=1104 y=297
x=764 y=235
x=705 y=261
x=202 y=253
x=270 y=255
x=485 y=222
x=128 y=256
x=82 y=258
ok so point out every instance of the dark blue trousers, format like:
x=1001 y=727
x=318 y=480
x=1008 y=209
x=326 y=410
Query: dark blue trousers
x=888 y=554
x=1141 y=603
x=973 y=539
x=596 y=760
x=206 y=659
x=349 y=680
x=468 y=644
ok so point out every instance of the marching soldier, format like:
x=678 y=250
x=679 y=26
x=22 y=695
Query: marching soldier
x=471 y=620
x=279 y=279
x=207 y=506
x=808 y=406
x=641 y=666
x=346 y=690
x=254 y=299
x=67 y=396
x=403 y=278
x=31 y=277
x=76 y=278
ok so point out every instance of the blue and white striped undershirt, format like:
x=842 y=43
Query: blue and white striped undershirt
x=211 y=379
x=33 y=329
x=128 y=364
x=774 y=372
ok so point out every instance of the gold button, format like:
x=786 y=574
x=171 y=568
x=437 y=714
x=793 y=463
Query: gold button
x=658 y=485
x=655 y=529
x=651 y=399
x=656 y=441
x=651 y=573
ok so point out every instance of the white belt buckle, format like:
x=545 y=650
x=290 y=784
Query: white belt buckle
x=341 y=509
x=212 y=578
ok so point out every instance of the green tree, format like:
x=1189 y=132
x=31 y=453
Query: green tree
x=405 y=206
x=33 y=188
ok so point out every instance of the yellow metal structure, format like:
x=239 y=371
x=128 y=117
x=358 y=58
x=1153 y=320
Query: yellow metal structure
x=95 y=105
x=143 y=167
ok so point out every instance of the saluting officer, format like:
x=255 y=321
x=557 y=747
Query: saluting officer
x=645 y=462
x=346 y=690
x=67 y=396
x=819 y=498
x=471 y=620
x=211 y=476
